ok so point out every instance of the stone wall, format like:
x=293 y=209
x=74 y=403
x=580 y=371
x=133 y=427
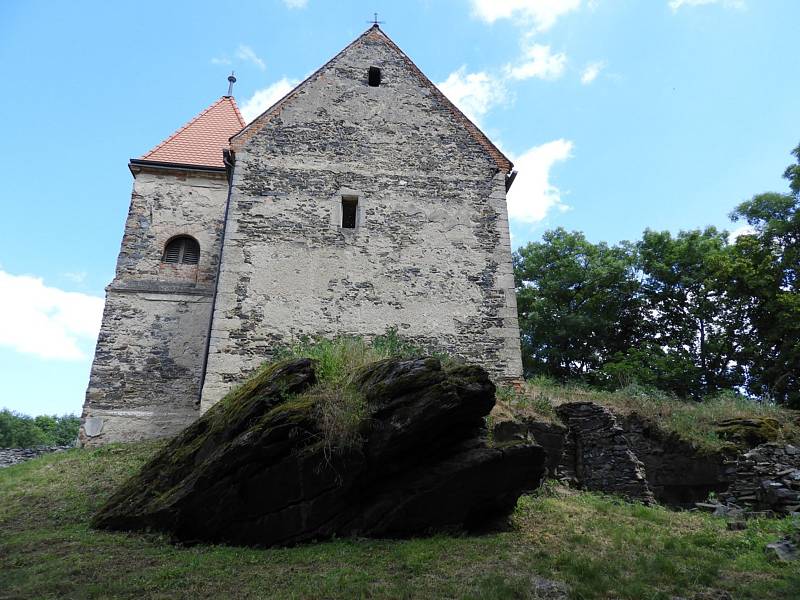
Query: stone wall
x=677 y=471
x=13 y=456
x=145 y=378
x=632 y=456
x=604 y=459
x=767 y=478
x=430 y=254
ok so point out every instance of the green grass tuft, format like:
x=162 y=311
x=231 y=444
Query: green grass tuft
x=339 y=409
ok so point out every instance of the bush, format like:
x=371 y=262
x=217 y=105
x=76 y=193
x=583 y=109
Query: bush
x=22 y=431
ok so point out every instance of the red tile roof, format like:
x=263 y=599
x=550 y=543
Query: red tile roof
x=200 y=142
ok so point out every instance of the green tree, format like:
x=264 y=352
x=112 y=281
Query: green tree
x=693 y=316
x=22 y=431
x=66 y=430
x=578 y=304
x=765 y=279
x=19 y=431
x=689 y=313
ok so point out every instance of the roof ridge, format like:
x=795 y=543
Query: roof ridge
x=236 y=110
x=500 y=159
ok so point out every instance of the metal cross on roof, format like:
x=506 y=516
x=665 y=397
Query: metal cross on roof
x=375 y=20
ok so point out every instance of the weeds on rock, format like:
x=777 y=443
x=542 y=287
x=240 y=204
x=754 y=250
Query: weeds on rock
x=340 y=410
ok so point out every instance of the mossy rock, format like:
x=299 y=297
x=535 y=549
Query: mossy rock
x=260 y=468
x=749 y=432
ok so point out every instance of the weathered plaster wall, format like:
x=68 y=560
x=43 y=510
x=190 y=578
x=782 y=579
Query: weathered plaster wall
x=431 y=253
x=145 y=378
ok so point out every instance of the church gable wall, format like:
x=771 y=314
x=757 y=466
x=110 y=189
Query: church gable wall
x=430 y=254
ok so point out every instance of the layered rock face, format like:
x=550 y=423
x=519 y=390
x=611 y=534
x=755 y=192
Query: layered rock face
x=258 y=469
x=550 y=436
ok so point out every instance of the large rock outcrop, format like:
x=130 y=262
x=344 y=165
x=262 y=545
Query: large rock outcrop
x=258 y=469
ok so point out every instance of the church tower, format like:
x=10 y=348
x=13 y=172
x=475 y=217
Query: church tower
x=145 y=378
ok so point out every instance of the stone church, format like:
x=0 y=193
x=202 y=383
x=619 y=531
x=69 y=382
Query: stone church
x=362 y=200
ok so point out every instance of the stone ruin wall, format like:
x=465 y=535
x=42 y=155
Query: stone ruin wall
x=431 y=254
x=145 y=378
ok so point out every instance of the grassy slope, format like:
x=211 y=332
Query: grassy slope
x=602 y=547
x=692 y=421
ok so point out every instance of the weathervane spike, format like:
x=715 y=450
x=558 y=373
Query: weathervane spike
x=231 y=81
x=375 y=21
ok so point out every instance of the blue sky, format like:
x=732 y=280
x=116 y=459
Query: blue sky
x=619 y=114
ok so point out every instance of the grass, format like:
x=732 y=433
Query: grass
x=695 y=422
x=339 y=408
x=600 y=546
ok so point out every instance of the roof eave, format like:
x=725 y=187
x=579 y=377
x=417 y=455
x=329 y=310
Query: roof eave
x=139 y=163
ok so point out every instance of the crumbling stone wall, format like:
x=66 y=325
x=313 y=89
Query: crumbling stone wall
x=145 y=378
x=678 y=472
x=604 y=459
x=430 y=254
x=767 y=478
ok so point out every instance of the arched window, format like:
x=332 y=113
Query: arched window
x=182 y=250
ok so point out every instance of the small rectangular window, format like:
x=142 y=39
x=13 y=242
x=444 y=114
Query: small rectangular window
x=349 y=210
x=374 y=76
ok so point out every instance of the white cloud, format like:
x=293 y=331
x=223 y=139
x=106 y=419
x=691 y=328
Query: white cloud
x=474 y=93
x=739 y=231
x=677 y=4
x=266 y=97
x=295 y=3
x=221 y=61
x=541 y=14
x=247 y=54
x=532 y=195
x=539 y=61
x=591 y=72
x=75 y=276
x=46 y=321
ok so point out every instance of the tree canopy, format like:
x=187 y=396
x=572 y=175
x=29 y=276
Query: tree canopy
x=22 y=431
x=692 y=313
